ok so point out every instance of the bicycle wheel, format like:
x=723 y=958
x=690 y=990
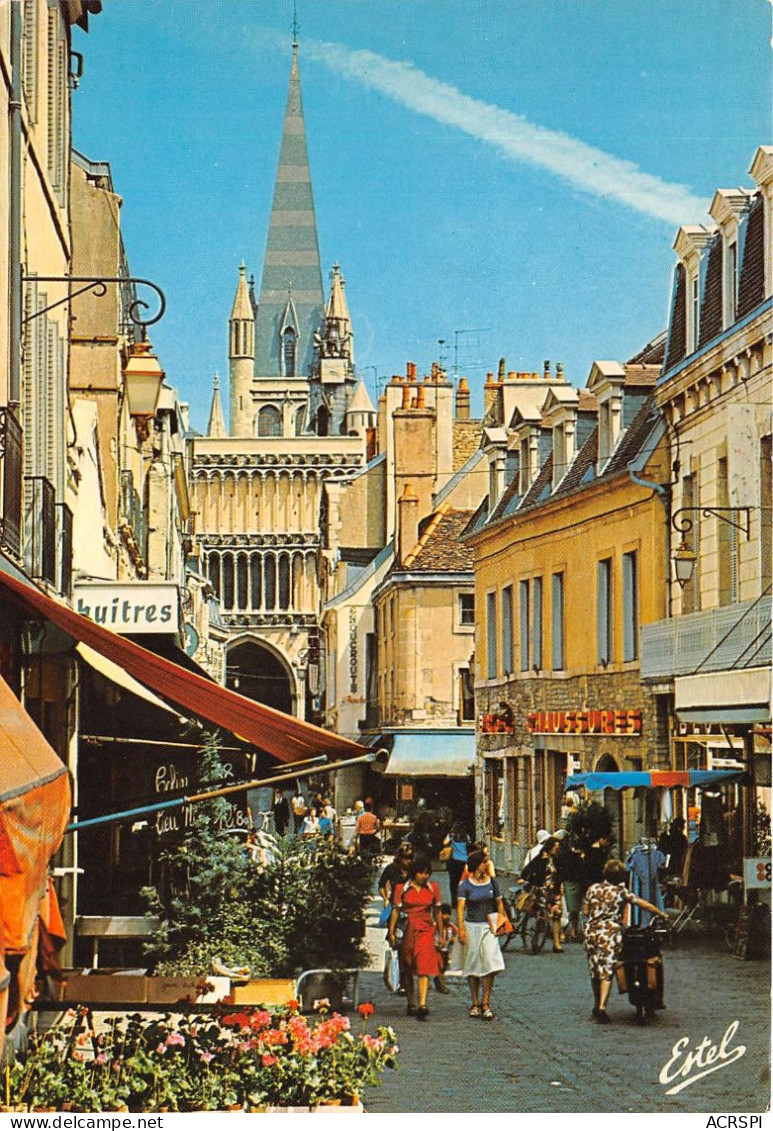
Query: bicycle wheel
x=535 y=931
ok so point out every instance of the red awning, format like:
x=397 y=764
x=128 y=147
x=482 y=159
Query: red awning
x=34 y=809
x=287 y=738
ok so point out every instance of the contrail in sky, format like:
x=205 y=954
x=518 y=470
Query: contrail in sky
x=584 y=166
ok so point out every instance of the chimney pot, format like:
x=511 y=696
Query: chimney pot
x=502 y=367
x=511 y=375
x=546 y=366
x=420 y=397
x=406 y=397
x=560 y=370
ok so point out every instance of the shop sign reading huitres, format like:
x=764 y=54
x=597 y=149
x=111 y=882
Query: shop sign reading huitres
x=129 y=608
x=617 y=721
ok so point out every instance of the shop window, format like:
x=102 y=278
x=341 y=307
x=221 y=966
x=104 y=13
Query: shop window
x=507 y=630
x=604 y=611
x=630 y=607
x=557 y=660
x=491 y=635
x=495 y=795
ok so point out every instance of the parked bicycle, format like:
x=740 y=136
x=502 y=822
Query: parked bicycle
x=530 y=923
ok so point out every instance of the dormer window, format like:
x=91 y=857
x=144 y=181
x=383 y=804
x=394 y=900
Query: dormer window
x=695 y=311
x=731 y=303
x=525 y=469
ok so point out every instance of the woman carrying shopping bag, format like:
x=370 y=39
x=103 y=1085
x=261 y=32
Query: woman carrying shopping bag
x=478 y=898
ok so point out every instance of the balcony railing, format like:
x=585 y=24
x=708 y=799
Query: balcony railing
x=65 y=549
x=133 y=513
x=727 y=639
x=11 y=473
x=40 y=527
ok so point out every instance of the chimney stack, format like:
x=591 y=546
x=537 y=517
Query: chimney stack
x=407 y=523
x=546 y=368
x=489 y=393
x=502 y=367
x=463 y=400
x=410 y=370
x=559 y=370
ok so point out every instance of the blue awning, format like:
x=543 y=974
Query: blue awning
x=435 y=754
x=653 y=779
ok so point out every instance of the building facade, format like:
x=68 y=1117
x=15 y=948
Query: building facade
x=569 y=557
x=709 y=657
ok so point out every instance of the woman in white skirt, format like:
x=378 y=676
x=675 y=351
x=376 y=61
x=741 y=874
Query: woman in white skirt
x=478 y=896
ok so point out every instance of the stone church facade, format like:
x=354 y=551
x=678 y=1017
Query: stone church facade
x=298 y=419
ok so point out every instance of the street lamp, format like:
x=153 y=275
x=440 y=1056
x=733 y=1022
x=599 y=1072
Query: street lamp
x=684 y=562
x=684 y=555
x=143 y=378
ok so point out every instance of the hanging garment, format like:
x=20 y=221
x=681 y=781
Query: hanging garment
x=643 y=863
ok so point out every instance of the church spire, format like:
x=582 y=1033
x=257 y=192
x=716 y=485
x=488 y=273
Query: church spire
x=216 y=427
x=292 y=264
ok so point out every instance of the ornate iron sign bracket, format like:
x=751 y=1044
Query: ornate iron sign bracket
x=98 y=286
x=724 y=514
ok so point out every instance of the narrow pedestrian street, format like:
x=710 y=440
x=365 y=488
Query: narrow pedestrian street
x=543 y=1052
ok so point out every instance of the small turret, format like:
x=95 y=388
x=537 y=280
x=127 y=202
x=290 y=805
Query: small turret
x=241 y=354
x=216 y=428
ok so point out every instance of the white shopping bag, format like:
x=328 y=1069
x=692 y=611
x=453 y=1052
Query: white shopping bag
x=391 y=970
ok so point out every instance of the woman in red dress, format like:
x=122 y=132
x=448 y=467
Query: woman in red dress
x=419 y=901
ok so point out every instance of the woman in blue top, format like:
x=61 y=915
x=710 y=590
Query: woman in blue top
x=459 y=843
x=477 y=898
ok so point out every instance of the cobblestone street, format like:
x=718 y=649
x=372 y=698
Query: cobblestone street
x=543 y=1052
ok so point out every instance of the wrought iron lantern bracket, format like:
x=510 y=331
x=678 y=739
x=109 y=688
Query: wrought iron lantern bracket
x=724 y=514
x=97 y=284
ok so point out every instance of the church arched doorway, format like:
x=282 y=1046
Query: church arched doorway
x=256 y=671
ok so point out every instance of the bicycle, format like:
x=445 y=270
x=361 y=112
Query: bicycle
x=529 y=923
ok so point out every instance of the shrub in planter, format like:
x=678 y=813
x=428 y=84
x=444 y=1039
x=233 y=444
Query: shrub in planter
x=303 y=908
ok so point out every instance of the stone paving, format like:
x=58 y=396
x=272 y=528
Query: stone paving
x=544 y=1053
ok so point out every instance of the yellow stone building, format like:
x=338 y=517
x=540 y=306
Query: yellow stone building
x=569 y=564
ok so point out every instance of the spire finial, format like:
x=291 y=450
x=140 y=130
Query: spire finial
x=216 y=382
x=296 y=25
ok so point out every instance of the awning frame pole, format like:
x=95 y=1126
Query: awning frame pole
x=194 y=798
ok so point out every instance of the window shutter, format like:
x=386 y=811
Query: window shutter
x=536 y=643
x=557 y=622
x=507 y=630
x=491 y=635
x=630 y=607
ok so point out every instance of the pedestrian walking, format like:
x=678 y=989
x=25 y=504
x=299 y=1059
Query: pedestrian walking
x=366 y=830
x=542 y=875
x=448 y=937
x=298 y=806
x=542 y=836
x=419 y=901
x=478 y=897
x=603 y=936
x=281 y=811
x=454 y=852
x=570 y=864
x=595 y=858
x=395 y=873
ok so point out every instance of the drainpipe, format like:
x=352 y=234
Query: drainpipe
x=664 y=494
x=14 y=215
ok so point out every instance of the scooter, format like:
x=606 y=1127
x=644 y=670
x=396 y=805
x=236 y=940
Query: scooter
x=640 y=973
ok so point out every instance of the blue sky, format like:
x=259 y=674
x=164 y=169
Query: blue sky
x=518 y=167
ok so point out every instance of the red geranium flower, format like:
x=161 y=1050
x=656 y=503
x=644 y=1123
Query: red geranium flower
x=367 y=1009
